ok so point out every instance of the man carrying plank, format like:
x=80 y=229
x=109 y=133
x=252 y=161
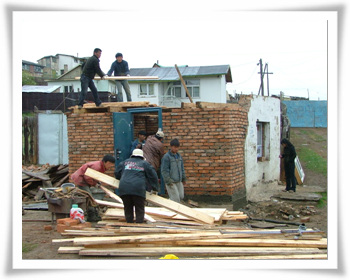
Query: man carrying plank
x=90 y=68
x=134 y=174
x=120 y=67
x=87 y=183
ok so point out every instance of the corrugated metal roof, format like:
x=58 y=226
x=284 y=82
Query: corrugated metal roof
x=170 y=73
x=44 y=89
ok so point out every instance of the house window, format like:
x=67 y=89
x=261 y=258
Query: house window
x=146 y=89
x=193 y=88
x=68 y=89
x=263 y=141
x=178 y=91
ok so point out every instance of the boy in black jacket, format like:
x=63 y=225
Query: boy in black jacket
x=134 y=174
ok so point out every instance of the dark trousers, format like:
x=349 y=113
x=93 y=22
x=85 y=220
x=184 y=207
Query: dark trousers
x=130 y=202
x=86 y=83
x=290 y=176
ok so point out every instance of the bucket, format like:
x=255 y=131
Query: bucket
x=67 y=187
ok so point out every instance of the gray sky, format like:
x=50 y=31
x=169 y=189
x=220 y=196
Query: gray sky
x=294 y=44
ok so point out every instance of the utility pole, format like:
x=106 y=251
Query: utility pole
x=266 y=71
x=261 y=78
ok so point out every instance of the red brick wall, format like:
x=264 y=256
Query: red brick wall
x=212 y=147
x=90 y=137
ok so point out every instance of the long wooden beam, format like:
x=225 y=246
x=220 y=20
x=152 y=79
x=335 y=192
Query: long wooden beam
x=198 y=251
x=99 y=176
x=125 y=78
x=179 y=208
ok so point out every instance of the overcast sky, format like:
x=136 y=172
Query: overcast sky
x=293 y=44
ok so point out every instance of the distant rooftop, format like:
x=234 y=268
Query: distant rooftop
x=43 y=89
x=170 y=73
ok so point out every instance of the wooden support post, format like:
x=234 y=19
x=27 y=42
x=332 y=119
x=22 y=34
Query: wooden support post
x=183 y=83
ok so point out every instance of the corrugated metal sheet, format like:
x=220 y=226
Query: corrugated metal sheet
x=170 y=73
x=43 y=89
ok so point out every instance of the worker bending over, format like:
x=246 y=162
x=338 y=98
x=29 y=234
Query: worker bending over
x=134 y=174
x=88 y=184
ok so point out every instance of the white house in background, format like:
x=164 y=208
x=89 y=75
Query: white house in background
x=262 y=145
x=204 y=83
x=68 y=82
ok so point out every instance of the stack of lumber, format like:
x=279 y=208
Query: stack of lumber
x=46 y=176
x=159 y=239
x=110 y=107
x=173 y=228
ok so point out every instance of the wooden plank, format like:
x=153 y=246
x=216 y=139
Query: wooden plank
x=70 y=250
x=255 y=242
x=183 y=83
x=299 y=196
x=272 y=257
x=144 y=238
x=198 y=251
x=216 y=213
x=125 y=78
x=99 y=176
x=119 y=104
x=179 y=208
x=120 y=206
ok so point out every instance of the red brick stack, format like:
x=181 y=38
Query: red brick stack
x=68 y=223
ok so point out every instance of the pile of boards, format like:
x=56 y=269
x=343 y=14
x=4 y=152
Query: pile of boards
x=110 y=107
x=176 y=229
x=155 y=240
x=175 y=233
x=45 y=176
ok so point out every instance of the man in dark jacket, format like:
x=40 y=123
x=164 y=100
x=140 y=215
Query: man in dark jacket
x=134 y=174
x=90 y=68
x=120 y=67
x=289 y=155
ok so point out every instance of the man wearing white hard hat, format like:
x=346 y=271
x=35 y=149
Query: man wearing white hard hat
x=134 y=175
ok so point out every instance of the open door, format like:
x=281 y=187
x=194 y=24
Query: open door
x=123 y=133
x=123 y=129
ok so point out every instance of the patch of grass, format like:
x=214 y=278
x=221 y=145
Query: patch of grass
x=27 y=247
x=323 y=201
x=314 y=136
x=313 y=160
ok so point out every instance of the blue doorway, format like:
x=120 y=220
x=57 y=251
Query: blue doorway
x=123 y=131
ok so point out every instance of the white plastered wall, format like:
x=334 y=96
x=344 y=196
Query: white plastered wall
x=267 y=110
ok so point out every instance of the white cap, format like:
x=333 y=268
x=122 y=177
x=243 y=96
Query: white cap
x=160 y=134
x=137 y=153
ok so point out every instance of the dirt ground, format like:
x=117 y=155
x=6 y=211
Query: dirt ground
x=37 y=242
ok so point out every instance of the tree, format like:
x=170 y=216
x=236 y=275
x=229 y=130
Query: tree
x=27 y=79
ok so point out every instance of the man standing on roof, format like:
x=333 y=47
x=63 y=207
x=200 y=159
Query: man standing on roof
x=90 y=68
x=120 y=67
